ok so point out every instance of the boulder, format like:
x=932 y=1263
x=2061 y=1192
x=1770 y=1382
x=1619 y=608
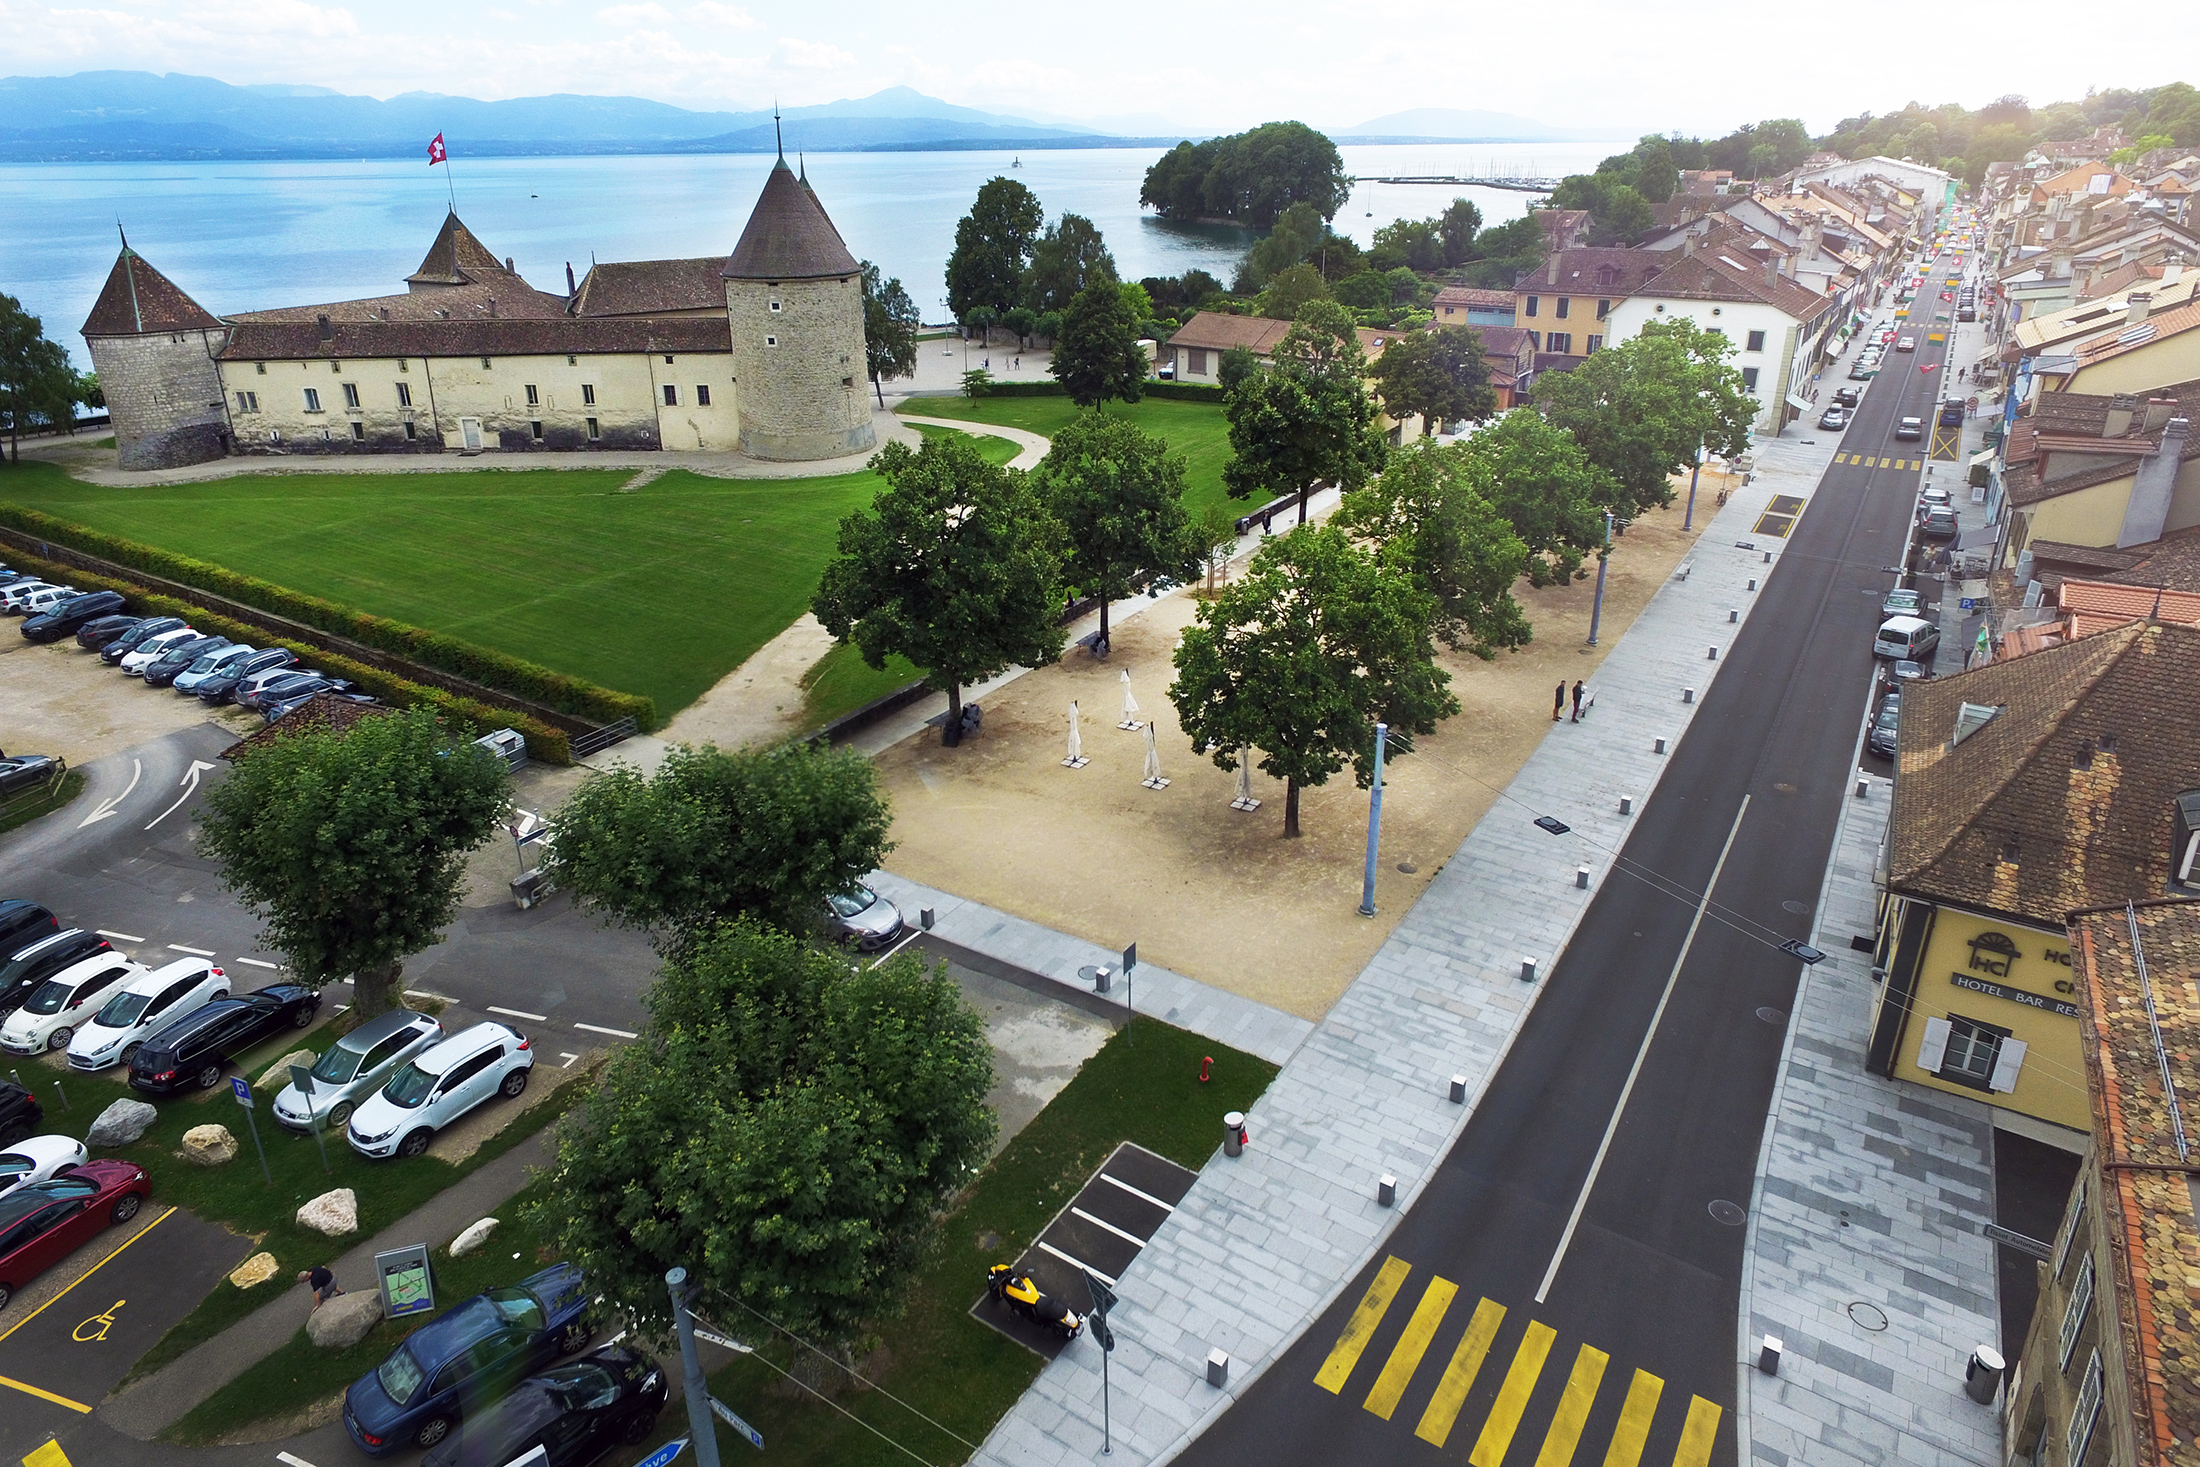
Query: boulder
x=209 y=1146
x=344 y=1320
x=257 y=1269
x=473 y=1237
x=277 y=1074
x=334 y=1213
x=121 y=1123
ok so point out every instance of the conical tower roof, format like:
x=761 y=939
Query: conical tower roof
x=456 y=258
x=138 y=299
x=788 y=236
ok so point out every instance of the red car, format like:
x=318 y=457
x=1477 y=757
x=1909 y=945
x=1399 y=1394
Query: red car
x=47 y=1221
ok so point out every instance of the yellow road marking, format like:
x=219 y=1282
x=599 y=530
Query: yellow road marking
x=1405 y=1357
x=1359 y=1329
x=1634 y=1421
x=1466 y=1363
x=1697 y=1433
x=49 y=1455
x=1573 y=1408
x=1512 y=1397
x=31 y=1390
x=95 y=1268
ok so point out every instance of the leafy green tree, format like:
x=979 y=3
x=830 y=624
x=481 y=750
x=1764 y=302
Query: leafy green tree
x=1023 y=321
x=993 y=246
x=1290 y=290
x=1504 y=252
x=1656 y=174
x=1640 y=409
x=785 y=1129
x=977 y=382
x=1235 y=365
x=1215 y=532
x=956 y=566
x=1118 y=494
x=1543 y=483
x=351 y=846
x=1309 y=421
x=1438 y=374
x=717 y=834
x=1249 y=177
x=1456 y=227
x=1316 y=643
x=1416 y=244
x=1097 y=356
x=1625 y=218
x=38 y=388
x=890 y=325
x=1070 y=256
x=1428 y=518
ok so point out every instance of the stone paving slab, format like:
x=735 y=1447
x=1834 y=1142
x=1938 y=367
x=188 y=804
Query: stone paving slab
x=1262 y=1244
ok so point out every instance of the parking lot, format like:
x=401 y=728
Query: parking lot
x=63 y=700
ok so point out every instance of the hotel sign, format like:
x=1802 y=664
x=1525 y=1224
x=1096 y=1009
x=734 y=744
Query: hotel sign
x=2014 y=995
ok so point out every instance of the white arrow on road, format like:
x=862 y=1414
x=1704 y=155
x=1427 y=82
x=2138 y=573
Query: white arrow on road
x=190 y=784
x=107 y=806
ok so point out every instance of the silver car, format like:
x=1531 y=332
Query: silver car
x=863 y=917
x=356 y=1066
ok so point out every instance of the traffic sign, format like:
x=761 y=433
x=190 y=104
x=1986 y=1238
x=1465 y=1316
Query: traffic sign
x=1130 y=958
x=663 y=1456
x=1103 y=1297
x=756 y=1438
x=242 y=1090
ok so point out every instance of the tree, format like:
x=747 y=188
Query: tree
x=890 y=324
x=717 y=834
x=956 y=566
x=993 y=245
x=1309 y=421
x=1119 y=496
x=1290 y=290
x=1641 y=409
x=1069 y=257
x=1504 y=252
x=1456 y=227
x=977 y=382
x=1315 y=643
x=352 y=846
x=38 y=388
x=1416 y=244
x=1430 y=520
x=1097 y=356
x=1215 y=532
x=1541 y=481
x=1235 y=365
x=1625 y=218
x=1249 y=177
x=786 y=1129
x=1437 y=374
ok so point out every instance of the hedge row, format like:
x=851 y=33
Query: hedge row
x=1185 y=391
x=551 y=745
x=483 y=665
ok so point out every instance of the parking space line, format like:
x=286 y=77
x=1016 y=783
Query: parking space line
x=568 y=1056
x=1141 y=1196
x=260 y=963
x=614 y=1033
x=30 y=1390
x=80 y=1278
x=117 y=936
x=519 y=1014
x=196 y=952
x=1075 y=1262
x=289 y=1461
x=1101 y=1222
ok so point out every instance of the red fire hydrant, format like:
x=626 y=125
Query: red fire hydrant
x=1204 y=1062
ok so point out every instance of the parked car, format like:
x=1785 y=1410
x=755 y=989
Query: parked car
x=356 y=1066
x=50 y=1017
x=47 y=1221
x=1881 y=739
x=179 y=659
x=65 y=616
x=574 y=1413
x=1909 y=430
x=144 y=1006
x=31 y=965
x=1835 y=417
x=1932 y=495
x=465 y=1358
x=1938 y=524
x=863 y=917
x=20 y=1113
x=257 y=692
x=1902 y=601
x=437 y=1086
x=273 y=705
x=1966 y=313
x=1905 y=343
x=1863 y=371
x=37 y=1158
x=1906 y=671
x=211 y=664
x=152 y=649
x=220 y=687
x=137 y=636
x=1847 y=397
x=23 y=923
x=1951 y=414
x=21 y=772
x=15 y=598
x=38 y=602
x=1906 y=637
x=97 y=633
x=194 y=1050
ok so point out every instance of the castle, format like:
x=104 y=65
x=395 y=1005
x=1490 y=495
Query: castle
x=760 y=351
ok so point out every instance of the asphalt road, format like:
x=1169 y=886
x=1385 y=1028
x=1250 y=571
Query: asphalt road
x=1613 y=1334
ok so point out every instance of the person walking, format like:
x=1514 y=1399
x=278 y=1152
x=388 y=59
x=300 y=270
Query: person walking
x=322 y=1282
x=1558 y=703
x=1579 y=688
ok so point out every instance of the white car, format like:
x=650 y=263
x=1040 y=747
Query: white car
x=38 y=1159
x=259 y=680
x=1934 y=496
x=44 y=600
x=144 y=1004
x=440 y=1085
x=14 y=598
x=212 y=665
x=62 y=1004
x=152 y=649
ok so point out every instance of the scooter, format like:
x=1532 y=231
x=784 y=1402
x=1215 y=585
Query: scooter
x=1021 y=1295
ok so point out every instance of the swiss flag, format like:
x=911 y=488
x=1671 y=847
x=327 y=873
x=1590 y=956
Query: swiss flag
x=436 y=153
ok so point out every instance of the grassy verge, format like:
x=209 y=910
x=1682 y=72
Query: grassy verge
x=72 y=785
x=841 y=682
x=1195 y=430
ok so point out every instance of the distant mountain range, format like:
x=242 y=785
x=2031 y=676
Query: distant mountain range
x=1450 y=124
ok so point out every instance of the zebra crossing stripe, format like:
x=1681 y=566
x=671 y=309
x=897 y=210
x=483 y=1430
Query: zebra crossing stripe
x=1512 y=1398
x=1361 y=1327
x=1634 y=1421
x=1697 y=1434
x=1573 y=1408
x=1405 y=1356
x=1466 y=1363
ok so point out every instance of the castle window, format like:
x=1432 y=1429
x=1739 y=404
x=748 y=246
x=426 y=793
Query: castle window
x=327 y=436
x=336 y=369
x=351 y=394
x=248 y=402
x=260 y=367
x=588 y=394
x=358 y=432
x=176 y=340
x=847 y=381
x=672 y=395
x=775 y=305
x=313 y=399
x=410 y=431
x=594 y=432
x=404 y=394
x=771 y=341
x=533 y=397
x=571 y=360
x=534 y=430
x=702 y=396
x=485 y=364
x=668 y=361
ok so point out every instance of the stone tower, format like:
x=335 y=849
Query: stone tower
x=794 y=301
x=153 y=347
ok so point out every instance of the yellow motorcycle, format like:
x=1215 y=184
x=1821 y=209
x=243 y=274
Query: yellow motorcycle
x=1021 y=1295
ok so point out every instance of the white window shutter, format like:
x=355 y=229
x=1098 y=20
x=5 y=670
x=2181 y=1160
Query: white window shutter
x=1935 y=1047
x=2008 y=1060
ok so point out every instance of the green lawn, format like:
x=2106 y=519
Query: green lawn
x=27 y=808
x=661 y=591
x=841 y=682
x=1197 y=430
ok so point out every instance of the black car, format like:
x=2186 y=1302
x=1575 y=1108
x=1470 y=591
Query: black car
x=275 y=690
x=23 y=923
x=129 y=641
x=575 y=1412
x=1951 y=414
x=222 y=689
x=98 y=632
x=193 y=1051
x=20 y=1113
x=56 y=622
x=29 y=966
x=1847 y=397
x=1881 y=739
x=177 y=660
x=21 y=773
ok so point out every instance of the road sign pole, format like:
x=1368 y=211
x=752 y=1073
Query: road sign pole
x=700 y=1429
x=1374 y=824
x=243 y=1092
x=302 y=1077
x=1107 y=1431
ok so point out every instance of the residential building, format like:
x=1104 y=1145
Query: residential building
x=1194 y=352
x=1567 y=302
x=1468 y=305
x=2100 y=470
x=1510 y=354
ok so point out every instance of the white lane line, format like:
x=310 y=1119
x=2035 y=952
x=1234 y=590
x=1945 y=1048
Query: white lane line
x=423 y=993
x=914 y=934
x=118 y=936
x=1581 y=1202
x=260 y=963
x=1141 y=1196
x=568 y=1056
x=519 y=1014
x=1101 y=1222
x=190 y=786
x=196 y=952
x=1077 y=1262
x=290 y=1461
x=107 y=806
x=614 y=1033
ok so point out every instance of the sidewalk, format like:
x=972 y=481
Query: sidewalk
x=1263 y=1243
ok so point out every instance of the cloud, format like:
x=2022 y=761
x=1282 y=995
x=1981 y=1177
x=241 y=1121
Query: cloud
x=623 y=16
x=813 y=55
x=732 y=17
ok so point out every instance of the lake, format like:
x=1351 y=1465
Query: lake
x=245 y=236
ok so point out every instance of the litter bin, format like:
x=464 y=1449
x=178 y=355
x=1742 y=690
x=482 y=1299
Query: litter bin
x=507 y=744
x=1233 y=1133
x=1982 y=1376
x=528 y=888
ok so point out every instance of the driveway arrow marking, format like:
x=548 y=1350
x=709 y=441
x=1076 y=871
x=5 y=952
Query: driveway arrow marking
x=190 y=785
x=107 y=806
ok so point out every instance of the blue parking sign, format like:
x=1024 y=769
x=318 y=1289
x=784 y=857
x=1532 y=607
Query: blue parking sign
x=664 y=1454
x=243 y=1090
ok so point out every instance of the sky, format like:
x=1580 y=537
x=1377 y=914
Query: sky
x=1613 y=67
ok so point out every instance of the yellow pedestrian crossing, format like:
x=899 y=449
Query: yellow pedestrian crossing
x=1867 y=461
x=1509 y=1412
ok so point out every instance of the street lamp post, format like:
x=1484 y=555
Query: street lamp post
x=1596 y=610
x=1374 y=824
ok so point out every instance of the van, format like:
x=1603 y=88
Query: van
x=1907 y=637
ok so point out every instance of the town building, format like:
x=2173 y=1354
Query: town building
x=2100 y=470
x=1467 y=305
x=1568 y=301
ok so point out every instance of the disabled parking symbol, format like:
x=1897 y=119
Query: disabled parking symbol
x=95 y=1328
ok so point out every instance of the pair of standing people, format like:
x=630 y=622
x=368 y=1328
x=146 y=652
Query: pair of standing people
x=1558 y=702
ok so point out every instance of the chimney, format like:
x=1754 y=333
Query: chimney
x=570 y=288
x=328 y=332
x=1550 y=273
x=492 y=305
x=1772 y=271
x=2159 y=411
x=2118 y=421
x=508 y=266
x=2151 y=488
x=2136 y=306
x=1688 y=244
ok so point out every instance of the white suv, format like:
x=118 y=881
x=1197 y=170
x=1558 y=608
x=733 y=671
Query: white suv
x=15 y=599
x=52 y=1014
x=440 y=1085
x=154 y=1001
x=152 y=649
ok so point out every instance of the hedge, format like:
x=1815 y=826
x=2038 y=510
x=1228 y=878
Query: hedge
x=1185 y=391
x=551 y=745
x=484 y=665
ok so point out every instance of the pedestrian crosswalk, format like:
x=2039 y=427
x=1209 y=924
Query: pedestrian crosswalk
x=1868 y=461
x=1508 y=1412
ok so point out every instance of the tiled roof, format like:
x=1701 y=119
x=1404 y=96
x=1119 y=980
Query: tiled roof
x=321 y=713
x=480 y=337
x=652 y=287
x=1503 y=343
x=2083 y=557
x=457 y=258
x=2095 y=606
x=2063 y=798
x=1219 y=331
x=2146 y=1195
x=2172 y=561
x=137 y=299
x=1468 y=295
x=1578 y=272
x=510 y=295
x=1707 y=277
x=2071 y=422
x=788 y=236
x=2121 y=340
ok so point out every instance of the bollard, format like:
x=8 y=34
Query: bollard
x=1768 y=557
x=1459 y=1090
x=1101 y=978
x=1386 y=1190
x=57 y=1090
x=1626 y=804
x=1733 y=615
x=1233 y=1133
x=1527 y=970
x=1711 y=654
x=1752 y=583
x=1863 y=789
x=1581 y=878
x=924 y=918
x=1657 y=746
x=1218 y=1369
x=1768 y=1359
x=1688 y=695
x=1982 y=1374
x=1206 y=1063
